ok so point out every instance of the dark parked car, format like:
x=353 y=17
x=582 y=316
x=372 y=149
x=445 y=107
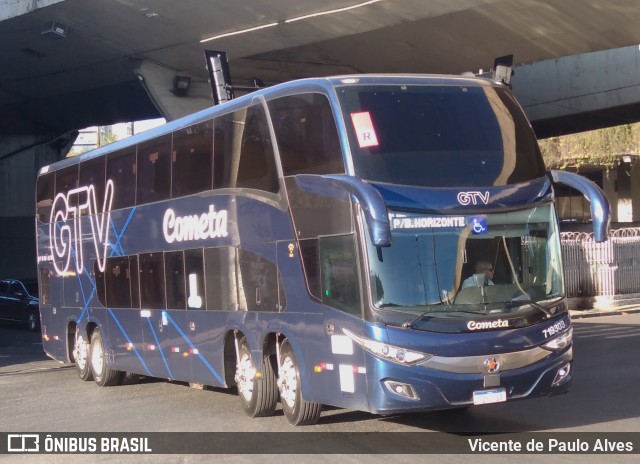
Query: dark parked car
x=18 y=302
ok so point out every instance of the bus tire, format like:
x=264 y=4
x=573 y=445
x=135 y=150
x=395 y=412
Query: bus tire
x=82 y=357
x=296 y=409
x=258 y=396
x=102 y=375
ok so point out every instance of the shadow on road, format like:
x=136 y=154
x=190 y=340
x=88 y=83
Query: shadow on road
x=19 y=346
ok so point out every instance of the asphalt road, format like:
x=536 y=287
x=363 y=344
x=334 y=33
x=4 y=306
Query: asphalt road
x=40 y=395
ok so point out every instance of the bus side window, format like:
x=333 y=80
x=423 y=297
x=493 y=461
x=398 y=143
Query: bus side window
x=194 y=272
x=121 y=169
x=310 y=253
x=92 y=172
x=101 y=291
x=44 y=286
x=258 y=282
x=134 y=272
x=175 y=281
x=243 y=152
x=307 y=136
x=257 y=167
x=192 y=158
x=66 y=179
x=44 y=196
x=154 y=170
x=118 y=282
x=152 y=281
x=339 y=271
x=221 y=281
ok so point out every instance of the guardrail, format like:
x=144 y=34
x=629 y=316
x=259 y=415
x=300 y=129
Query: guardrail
x=601 y=269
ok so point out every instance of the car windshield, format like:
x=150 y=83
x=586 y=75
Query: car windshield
x=421 y=134
x=449 y=266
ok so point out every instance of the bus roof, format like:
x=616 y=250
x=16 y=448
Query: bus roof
x=315 y=84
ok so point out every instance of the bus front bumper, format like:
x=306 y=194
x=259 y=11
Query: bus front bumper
x=398 y=389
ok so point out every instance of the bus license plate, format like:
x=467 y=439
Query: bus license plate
x=498 y=395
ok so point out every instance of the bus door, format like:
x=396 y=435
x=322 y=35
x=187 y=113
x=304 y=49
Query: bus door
x=342 y=294
x=336 y=368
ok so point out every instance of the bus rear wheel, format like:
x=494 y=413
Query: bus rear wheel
x=258 y=396
x=297 y=410
x=81 y=356
x=104 y=376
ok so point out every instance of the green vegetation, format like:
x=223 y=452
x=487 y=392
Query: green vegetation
x=602 y=147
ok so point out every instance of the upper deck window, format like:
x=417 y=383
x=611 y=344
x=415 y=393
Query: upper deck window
x=439 y=136
x=192 y=159
x=154 y=170
x=306 y=134
x=243 y=151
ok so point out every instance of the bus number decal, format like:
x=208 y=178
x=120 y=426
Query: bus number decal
x=554 y=329
x=66 y=239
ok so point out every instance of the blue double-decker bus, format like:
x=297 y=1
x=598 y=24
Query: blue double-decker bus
x=379 y=243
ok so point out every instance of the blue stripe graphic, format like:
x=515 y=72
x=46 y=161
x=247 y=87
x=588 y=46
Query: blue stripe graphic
x=160 y=349
x=193 y=347
x=129 y=341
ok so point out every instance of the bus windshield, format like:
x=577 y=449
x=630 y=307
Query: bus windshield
x=422 y=134
x=448 y=266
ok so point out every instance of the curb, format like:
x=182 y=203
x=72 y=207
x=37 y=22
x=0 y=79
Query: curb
x=581 y=314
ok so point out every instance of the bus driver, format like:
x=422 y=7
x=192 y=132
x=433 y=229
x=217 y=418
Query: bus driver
x=482 y=267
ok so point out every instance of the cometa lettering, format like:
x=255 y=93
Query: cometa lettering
x=485 y=325
x=211 y=224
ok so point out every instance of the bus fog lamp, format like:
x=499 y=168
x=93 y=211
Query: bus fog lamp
x=402 y=389
x=562 y=375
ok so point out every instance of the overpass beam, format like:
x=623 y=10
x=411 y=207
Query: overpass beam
x=580 y=92
x=158 y=82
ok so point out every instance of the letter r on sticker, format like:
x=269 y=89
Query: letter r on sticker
x=365 y=132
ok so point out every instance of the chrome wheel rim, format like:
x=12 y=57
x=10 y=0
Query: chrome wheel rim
x=288 y=382
x=80 y=352
x=97 y=359
x=245 y=373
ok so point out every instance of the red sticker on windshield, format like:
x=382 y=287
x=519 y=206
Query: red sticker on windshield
x=364 y=129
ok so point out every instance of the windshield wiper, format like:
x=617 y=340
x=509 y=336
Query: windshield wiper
x=514 y=303
x=436 y=309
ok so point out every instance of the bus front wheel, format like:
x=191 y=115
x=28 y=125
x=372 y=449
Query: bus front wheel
x=258 y=394
x=297 y=410
x=104 y=376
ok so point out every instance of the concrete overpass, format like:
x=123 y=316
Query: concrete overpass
x=68 y=64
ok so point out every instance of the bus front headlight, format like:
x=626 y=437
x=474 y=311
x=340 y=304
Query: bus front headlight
x=560 y=342
x=388 y=352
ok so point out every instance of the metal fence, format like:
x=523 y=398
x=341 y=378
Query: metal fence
x=601 y=269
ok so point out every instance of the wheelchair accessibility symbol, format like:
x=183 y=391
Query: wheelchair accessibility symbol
x=479 y=225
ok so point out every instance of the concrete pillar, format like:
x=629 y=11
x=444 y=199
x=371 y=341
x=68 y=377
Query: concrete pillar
x=21 y=157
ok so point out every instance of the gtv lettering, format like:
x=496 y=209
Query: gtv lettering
x=473 y=198
x=65 y=226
